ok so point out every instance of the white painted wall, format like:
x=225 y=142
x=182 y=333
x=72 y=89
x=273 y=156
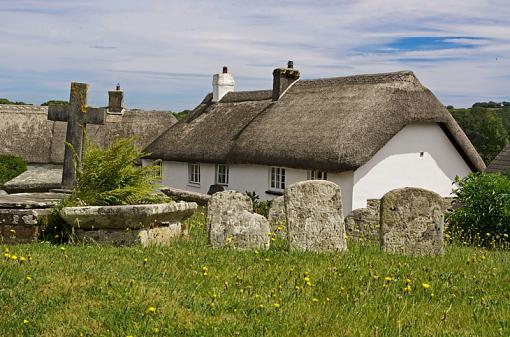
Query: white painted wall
x=399 y=164
x=248 y=178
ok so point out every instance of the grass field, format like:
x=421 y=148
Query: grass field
x=189 y=289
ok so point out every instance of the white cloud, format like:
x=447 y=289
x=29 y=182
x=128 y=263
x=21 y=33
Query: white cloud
x=164 y=52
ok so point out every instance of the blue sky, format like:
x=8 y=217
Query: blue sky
x=164 y=53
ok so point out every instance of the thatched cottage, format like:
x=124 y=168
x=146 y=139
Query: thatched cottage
x=367 y=133
x=26 y=131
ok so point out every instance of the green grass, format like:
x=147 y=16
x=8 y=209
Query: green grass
x=105 y=291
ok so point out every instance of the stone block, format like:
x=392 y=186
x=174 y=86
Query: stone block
x=363 y=224
x=231 y=223
x=199 y=198
x=314 y=215
x=35 y=180
x=276 y=217
x=21 y=225
x=163 y=235
x=412 y=222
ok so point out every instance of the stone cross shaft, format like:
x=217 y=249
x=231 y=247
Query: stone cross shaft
x=77 y=115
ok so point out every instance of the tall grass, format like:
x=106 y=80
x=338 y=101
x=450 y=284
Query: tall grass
x=190 y=289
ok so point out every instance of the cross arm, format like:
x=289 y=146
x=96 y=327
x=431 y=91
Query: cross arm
x=94 y=116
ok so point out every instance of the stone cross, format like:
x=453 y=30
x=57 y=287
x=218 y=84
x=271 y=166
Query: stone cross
x=77 y=115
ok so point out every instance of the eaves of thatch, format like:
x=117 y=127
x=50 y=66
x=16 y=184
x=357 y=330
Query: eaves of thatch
x=333 y=124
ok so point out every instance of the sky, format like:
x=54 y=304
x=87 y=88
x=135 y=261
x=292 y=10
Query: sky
x=164 y=53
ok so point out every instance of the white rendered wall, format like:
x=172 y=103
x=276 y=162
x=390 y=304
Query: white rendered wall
x=249 y=178
x=399 y=164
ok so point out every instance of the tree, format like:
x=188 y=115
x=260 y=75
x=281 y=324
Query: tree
x=55 y=102
x=485 y=129
x=6 y=101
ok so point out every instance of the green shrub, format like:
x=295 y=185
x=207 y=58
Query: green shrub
x=259 y=207
x=483 y=215
x=11 y=167
x=111 y=176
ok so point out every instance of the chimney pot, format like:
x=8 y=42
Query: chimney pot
x=116 y=100
x=283 y=78
x=222 y=84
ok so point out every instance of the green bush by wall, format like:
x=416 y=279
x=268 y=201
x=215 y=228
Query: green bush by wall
x=10 y=167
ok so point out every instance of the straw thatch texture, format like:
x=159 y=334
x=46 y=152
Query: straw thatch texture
x=333 y=124
x=501 y=163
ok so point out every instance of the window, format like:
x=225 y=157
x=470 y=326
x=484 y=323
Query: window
x=277 y=178
x=317 y=175
x=222 y=174
x=194 y=173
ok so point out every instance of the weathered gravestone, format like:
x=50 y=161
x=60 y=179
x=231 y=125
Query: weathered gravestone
x=276 y=217
x=77 y=115
x=363 y=223
x=314 y=214
x=230 y=222
x=412 y=222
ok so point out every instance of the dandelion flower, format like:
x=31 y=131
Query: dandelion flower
x=307 y=279
x=25 y=321
x=151 y=310
x=425 y=285
x=62 y=249
x=315 y=300
x=14 y=257
x=28 y=278
x=277 y=305
x=388 y=279
x=22 y=259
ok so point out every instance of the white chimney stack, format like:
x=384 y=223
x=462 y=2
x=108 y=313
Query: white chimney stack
x=222 y=84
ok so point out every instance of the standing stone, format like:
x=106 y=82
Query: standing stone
x=276 y=217
x=412 y=222
x=231 y=223
x=314 y=214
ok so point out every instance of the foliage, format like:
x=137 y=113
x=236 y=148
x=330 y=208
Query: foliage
x=191 y=289
x=259 y=206
x=55 y=102
x=182 y=114
x=111 y=176
x=484 y=213
x=6 y=101
x=11 y=167
x=485 y=129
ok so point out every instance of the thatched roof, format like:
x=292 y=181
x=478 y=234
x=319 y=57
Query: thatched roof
x=334 y=124
x=26 y=131
x=501 y=163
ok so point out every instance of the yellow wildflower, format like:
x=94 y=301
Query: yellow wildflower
x=13 y=231
x=151 y=310
x=425 y=285
x=307 y=279
x=28 y=278
x=277 y=305
x=315 y=300
x=155 y=330
x=388 y=278
x=205 y=271
x=14 y=257
x=25 y=321
x=62 y=248
x=22 y=259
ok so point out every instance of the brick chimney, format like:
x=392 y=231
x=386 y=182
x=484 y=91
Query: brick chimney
x=283 y=78
x=116 y=100
x=222 y=84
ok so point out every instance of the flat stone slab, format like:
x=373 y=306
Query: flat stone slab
x=199 y=198
x=127 y=216
x=40 y=179
x=120 y=237
x=30 y=200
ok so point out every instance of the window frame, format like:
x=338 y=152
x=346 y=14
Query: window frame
x=225 y=174
x=277 y=178
x=194 y=174
x=317 y=175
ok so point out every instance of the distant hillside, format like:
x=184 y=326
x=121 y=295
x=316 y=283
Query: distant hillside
x=487 y=125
